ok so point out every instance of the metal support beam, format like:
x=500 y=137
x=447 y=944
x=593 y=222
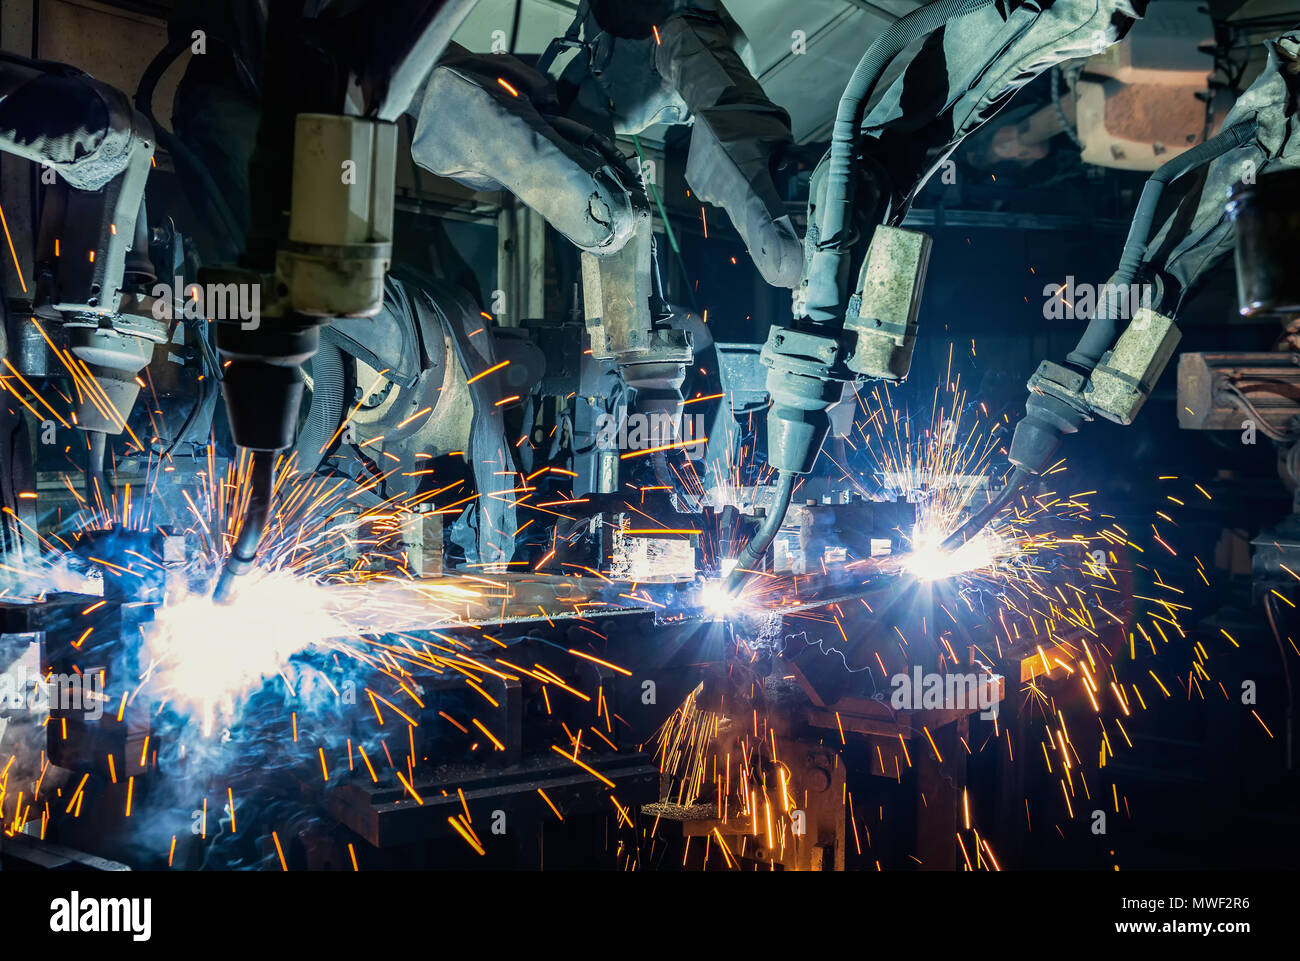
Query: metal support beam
x=521 y=264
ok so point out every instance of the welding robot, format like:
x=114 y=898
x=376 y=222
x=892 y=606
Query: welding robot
x=95 y=269
x=318 y=245
x=973 y=58
x=491 y=121
x=292 y=170
x=1110 y=375
x=488 y=121
x=92 y=259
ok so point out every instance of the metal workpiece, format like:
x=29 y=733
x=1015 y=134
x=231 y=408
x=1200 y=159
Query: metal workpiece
x=888 y=297
x=828 y=535
x=1121 y=383
x=527 y=720
x=76 y=738
x=385 y=815
x=98 y=633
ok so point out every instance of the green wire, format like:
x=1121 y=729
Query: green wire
x=654 y=195
x=668 y=227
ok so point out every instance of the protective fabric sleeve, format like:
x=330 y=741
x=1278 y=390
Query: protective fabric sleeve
x=1198 y=233
x=737 y=131
x=475 y=130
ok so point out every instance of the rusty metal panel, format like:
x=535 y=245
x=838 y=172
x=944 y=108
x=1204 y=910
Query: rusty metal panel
x=1207 y=382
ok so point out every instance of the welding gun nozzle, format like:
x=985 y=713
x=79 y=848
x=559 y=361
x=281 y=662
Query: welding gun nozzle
x=231 y=571
x=243 y=556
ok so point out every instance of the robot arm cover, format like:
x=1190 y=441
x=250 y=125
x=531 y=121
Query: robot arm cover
x=737 y=130
x=961 y=77
x=102 y=150
x=476 y=131
x=1199 y=232
x=52 y=114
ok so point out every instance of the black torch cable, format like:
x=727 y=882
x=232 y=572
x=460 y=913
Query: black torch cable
x=975 y=523
x=252 y=526
x=1099 y=336
x=761 y=541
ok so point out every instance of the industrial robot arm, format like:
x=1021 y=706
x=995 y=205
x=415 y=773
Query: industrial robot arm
x=880 y=156
x=1112 y=376
x=92 y=256
x=333 y=172
x=490 y=122
x=737 y=135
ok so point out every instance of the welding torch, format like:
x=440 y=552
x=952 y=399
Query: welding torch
x=252 y=525
x=839 y=337
x=326 y=260
x=1103 y=375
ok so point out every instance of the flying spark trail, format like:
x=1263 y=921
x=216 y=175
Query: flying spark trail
x=1047 y=596
x=1063 y=600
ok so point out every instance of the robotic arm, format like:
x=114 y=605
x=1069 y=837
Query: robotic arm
x=329 y=257
x=737 y=135
x=975 y=55
x=92 y=257
x=491 y=122
x=663 y=62
x=1112 y=376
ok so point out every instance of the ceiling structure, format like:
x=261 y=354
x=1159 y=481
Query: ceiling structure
x=834 y=34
